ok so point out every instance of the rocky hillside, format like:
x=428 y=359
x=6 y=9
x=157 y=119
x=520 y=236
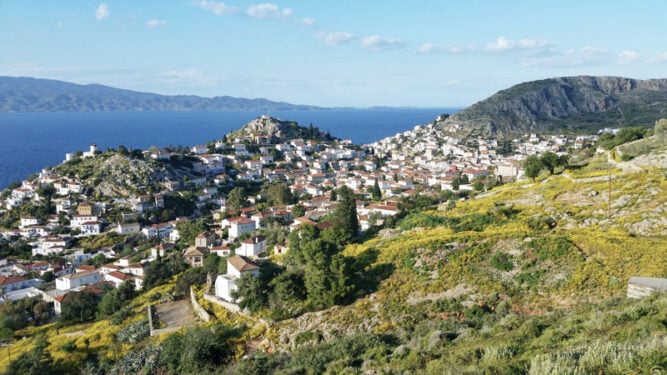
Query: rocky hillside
x=21 y=94
x=115 y=175
x=582 y=103
x=276 y=129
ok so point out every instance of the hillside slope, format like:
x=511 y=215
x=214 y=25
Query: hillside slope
x=527 y=278
x=22 y=94
x=582 y=103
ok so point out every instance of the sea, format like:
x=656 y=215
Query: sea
x=30 y=142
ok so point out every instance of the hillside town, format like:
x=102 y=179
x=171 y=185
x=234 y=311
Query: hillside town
x=62 y=253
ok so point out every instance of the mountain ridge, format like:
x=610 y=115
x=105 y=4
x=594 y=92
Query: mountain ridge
x=27 y=94
x=575 y=104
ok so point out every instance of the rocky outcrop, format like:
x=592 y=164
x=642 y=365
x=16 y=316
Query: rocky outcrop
x=566 y=103
x=274 y=129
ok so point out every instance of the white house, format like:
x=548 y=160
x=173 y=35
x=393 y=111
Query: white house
x=117 y=278
x=240 y=225
x=221 y=251
x=75 y=280
x=91 y=228
x=225 y=284
x=128 y=228
x=199 y=149
x=252 y=246
x=161 y=230
x=79 y=220
x=28 y=222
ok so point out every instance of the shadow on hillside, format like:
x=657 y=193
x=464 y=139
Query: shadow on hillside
x=367 y=276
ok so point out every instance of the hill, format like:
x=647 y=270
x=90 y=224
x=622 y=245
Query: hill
x=22 y=94
x=565 y=104
x=274 y=130
x=526 y=278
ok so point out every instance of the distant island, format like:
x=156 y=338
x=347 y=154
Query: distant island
x=23 y=94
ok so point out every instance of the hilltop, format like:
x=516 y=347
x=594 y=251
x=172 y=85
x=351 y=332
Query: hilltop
x=273 y=130
x=23 y=94
x=563 y=104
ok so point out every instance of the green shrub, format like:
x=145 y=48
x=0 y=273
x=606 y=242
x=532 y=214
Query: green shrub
x=501 y=261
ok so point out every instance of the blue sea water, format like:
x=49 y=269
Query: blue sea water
x=32 y=141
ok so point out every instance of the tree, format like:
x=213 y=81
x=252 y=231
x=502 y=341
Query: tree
x=298 y=211
x=250 y=292
x=188 y=230
x=48 y=276
x=375 y=191
x=197 y=350
x=532 y=167
x=456 y=184
x=236 y=198
x=345 y=214
x=288 y=292
x=79 y=307
x=279 y=194
x=550 y=161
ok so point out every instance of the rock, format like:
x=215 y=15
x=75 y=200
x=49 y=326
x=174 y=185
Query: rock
x=435 y=338
x=401 y=350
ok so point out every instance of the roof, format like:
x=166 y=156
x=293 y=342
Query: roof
x=193 y=251
x=119 y=275
x=79 y=274
x=255 y=239
x=240 y=220
x=242 y=264
x=4 y=280
x=205 y=234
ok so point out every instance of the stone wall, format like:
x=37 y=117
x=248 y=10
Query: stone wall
x=201 y=313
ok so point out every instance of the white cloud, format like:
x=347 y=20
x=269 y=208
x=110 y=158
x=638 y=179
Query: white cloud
x=502 y=44
x=217 y=8
x=627 y=57
x=431 y=47
x=102 y=12
x=378 y=43
x=156 y=23
x=505 y=44
x=267 y=10
x=662 y=58
x=308 y=21
x=189 y=74
x=336 y=37
x=571 y=57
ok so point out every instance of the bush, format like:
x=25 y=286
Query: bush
x=501 y=261
x=134 y=332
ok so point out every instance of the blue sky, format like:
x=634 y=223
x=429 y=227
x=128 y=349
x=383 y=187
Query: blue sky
x=332 y=53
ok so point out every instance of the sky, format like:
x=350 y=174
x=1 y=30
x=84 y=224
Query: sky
x=356 y=53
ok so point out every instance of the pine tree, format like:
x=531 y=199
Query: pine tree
x=345 y=214
x=376 y=193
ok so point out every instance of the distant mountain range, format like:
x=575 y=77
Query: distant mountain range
x=579 y=104
x=22 y=94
